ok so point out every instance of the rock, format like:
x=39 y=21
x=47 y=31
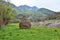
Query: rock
x=54 y=25
x=24 y=23
x=49 y=24
x=35 y=24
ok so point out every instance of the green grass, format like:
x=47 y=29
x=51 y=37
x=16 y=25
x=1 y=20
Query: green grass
x=12 y=32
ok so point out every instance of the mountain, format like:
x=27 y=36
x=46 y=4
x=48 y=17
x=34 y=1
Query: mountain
x=26 y=7
x=33 y=13
x=45 y=11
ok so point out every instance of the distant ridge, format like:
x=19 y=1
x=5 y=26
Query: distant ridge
x=45 y=11
x=26 y=7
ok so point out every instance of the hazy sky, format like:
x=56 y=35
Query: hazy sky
x=49 y=4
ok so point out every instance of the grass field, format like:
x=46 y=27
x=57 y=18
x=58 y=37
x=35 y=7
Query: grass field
x=12 y=32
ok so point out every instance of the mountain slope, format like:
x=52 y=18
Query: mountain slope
x=45 y=11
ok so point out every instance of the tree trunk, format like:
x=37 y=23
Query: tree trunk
x=1 y=20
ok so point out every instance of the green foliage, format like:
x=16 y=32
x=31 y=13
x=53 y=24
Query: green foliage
x=7 y=11
x=12 y=32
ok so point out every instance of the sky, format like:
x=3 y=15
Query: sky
x=53 y=5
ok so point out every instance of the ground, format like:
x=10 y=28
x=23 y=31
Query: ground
x=12 y=32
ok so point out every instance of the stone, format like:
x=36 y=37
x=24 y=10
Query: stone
x=24 y=23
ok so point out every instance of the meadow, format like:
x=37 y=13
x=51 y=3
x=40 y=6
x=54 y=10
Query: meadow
x=12 y=32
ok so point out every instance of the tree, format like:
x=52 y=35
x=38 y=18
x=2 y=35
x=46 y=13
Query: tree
x=6 y=12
